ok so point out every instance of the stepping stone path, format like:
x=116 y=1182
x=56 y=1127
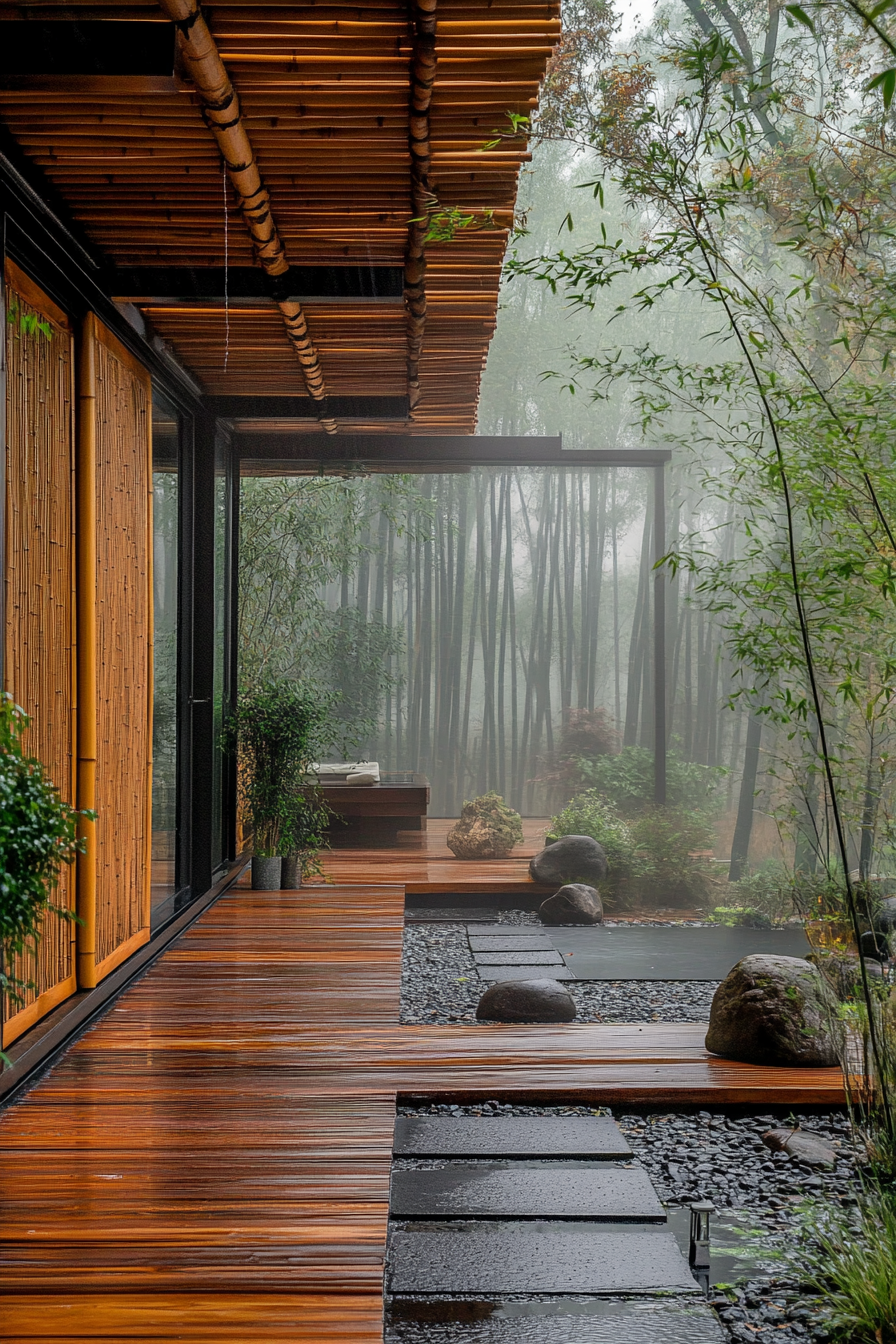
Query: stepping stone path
x=475 y=1212
x=515 y=954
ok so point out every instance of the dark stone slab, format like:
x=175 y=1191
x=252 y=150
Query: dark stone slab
x=489 y=944
x=589 y=1136
x=517 y=972
x=551 y=958
x=449 y=914
x=599 y=1192
x=673 y=953
x=554 y=1322
x=509 y=931
x=536 y=1257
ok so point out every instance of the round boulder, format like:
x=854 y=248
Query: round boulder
x=526 y=1001
x=573 y=904
x=884 y=919
x=572 y=858
x=776 y=1011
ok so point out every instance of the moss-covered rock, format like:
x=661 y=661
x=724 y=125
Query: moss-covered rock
x=488 y=829
x=776 y=1011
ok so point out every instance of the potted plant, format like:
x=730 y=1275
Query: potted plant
x=304 y=837
x=38 y=834
x=279 y=728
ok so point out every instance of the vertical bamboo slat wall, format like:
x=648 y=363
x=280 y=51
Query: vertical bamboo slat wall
x=39 y=647
x=124 y=651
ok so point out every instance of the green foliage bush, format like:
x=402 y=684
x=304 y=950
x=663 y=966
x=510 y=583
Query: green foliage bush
x=38 y=834
x=668 y=842
x=627 y=780
x=655 y=853
x=590 y=814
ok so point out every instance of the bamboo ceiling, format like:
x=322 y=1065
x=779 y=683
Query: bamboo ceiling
x=324 y=91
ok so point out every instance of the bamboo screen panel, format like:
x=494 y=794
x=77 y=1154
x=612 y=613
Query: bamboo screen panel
x=124 y=670
x=39 y=653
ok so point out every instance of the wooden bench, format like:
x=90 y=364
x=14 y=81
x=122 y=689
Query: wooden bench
x=377 y=812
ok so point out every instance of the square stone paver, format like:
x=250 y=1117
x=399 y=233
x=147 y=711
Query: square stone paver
x=525 y=1190
x=493 y=944
x=543 y=1321
x=535 y=1257
x=508 y=931
x=518 y=972
x=552 y=958
x=592 y=1136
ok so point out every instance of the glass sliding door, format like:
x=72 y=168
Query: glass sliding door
x=166 y=439
x=221 y=661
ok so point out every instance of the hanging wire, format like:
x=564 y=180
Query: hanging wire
x=226 y=272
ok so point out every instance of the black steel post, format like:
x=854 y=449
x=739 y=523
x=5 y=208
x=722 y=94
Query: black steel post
x=202 y=647
x=659 y=634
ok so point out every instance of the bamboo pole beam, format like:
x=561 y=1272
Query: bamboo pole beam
x=423 y=74
x=86 y=652
x=223 y=116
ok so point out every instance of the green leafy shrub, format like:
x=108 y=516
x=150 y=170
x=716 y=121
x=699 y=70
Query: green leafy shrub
x=741 y=917
x=668 y=858
x=627 y=780
x=38 y=834
x=590 y=814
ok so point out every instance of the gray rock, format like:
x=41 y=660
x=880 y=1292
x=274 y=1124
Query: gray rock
x=875 y=945
x=776 y=1011
x=806 y=1147
x=572 y=858
x=575 y=903
x=843 y=972
x=885 y=915
x=526 y=1001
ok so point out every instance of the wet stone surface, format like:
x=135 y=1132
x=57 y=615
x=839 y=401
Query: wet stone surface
x=758 y=1195
x=536 y=1257
x=521 y=1189
x=552 y=1321
x=512 y=1136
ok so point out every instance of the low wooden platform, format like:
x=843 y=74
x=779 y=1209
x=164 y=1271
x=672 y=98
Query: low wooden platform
x=422 y=862
x=211 y=1161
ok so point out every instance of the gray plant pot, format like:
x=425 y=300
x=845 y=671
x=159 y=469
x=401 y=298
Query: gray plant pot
x=266 y=874
x=291 y=873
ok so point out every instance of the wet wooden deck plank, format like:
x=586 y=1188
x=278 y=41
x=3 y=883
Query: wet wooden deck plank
x=211 y=1161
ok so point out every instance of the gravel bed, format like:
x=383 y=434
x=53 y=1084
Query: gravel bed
x=440 y=984
x=721 y=1157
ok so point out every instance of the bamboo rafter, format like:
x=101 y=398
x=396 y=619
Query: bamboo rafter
x=423 y=74
x=223 y=116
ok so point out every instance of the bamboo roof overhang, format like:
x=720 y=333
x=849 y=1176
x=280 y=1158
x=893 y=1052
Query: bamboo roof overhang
x=325 y=93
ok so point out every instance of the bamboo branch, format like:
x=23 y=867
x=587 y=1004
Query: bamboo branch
x=223 y=116
x=423 y=74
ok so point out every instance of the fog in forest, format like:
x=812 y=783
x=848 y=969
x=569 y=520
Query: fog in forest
x=493 y=629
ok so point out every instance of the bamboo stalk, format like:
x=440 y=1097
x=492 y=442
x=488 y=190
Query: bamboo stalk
x=223 y=116
x=423 y=74
x=87 y=653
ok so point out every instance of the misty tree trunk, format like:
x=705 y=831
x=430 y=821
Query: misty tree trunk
x=743 y=829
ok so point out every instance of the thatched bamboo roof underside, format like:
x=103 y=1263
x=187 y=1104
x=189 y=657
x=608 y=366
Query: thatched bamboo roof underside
x=325 y=94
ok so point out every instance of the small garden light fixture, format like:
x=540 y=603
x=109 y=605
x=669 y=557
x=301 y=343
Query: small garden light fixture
x=698 y=1252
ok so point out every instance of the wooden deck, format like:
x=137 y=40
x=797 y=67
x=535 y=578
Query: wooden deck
x=422 y=862
x=211 y=1161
